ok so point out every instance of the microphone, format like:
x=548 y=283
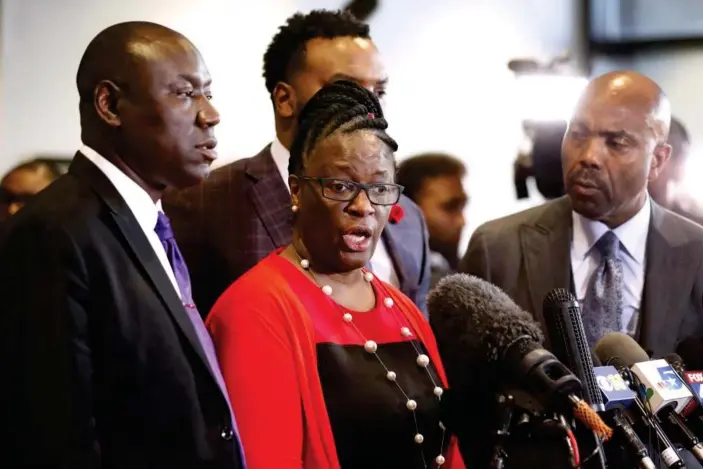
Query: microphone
x=489 y=345
x=667 y=396
x=480 y=330
x=567 y=338
x=562 y=316
x=663 y=387
x=620 y=350
x=691 y=351
x=688 y=352
x=692 y=380
x=616 y=397
x=616 y=393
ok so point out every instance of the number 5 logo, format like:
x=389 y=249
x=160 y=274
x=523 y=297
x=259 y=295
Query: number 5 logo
x=669 y=378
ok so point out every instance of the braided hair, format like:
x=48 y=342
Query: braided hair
x=342 y=106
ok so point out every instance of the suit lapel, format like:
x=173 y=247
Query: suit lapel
x=270 y=197
x=139 y=245
x=669 y=273
x=546 y=247
x=392 y=237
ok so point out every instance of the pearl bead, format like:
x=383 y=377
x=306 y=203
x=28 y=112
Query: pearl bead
x=327 y=290
x=439 y=460
x=441 y=425
x=411 y=404
x=368 y=276
x=438 y=391
x=423 y=360
x=305 y=264
x=391 y=375
x=388 y=302
x=347 y=317
x=370 y=346
x=405 y=332
x=419 y=438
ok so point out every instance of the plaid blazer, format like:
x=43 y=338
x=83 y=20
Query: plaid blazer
x=241 y=213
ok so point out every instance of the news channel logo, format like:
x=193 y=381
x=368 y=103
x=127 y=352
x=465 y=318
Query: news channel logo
x=668 y=379
x=611 y=382
x=695 y=381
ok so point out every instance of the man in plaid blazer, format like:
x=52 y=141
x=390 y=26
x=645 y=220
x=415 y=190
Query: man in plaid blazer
x=243 y=211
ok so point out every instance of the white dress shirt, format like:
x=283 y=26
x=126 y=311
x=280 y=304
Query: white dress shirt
x=139 y=202
x=633 y=242
x=381 y=262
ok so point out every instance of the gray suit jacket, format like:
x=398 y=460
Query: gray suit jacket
x=527 y=254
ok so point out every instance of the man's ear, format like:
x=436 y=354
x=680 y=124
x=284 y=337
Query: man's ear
x=662 y=153
x=106 y=100
x=284 y=99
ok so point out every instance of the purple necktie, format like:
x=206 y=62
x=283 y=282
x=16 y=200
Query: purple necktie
x=180 y=271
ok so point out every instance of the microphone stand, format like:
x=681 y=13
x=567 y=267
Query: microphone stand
x=504 y=416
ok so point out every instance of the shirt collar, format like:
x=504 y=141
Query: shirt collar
x=139 y=202
x=632 y=234
x=281 y=155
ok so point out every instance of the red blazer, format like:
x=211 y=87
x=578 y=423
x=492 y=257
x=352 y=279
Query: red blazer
x=280 y=406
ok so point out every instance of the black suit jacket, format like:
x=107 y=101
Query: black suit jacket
x=242 y=213
x=527 y=254
x=101 y=365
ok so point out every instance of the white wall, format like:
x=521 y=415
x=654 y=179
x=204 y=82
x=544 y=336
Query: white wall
x=450 y=89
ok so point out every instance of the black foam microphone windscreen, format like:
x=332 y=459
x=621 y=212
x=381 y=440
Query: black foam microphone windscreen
x=562 y=316
x=477 y=318
x=477 y=325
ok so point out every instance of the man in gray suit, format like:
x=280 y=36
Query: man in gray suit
x=634 y=266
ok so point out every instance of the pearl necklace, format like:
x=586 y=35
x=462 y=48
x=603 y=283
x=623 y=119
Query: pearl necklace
x=371 y=347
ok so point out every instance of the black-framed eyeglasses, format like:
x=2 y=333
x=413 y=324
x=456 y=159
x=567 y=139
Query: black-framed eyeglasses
x=343 y=190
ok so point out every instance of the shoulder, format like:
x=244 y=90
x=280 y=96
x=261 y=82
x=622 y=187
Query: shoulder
x=237 y=169
x=508 y=226
x=261 y=290
x=677 y=229
x=57 y=226
x=412 y=215
x=66 y=205
x=224 y=182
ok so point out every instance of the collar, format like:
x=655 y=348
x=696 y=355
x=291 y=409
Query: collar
x=281 y=155
x=632 y=234
x=143 y=208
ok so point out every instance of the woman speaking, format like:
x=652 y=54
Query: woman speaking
x=326 y=365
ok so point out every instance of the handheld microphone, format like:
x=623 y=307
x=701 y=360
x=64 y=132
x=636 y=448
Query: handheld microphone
x=616 y=397
x=688 y=353
x=616 y=393
x=477 y=325
x=568 y=342
x=621 y=351
x=667 y=396
x=663 y=387
x=692 y=380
